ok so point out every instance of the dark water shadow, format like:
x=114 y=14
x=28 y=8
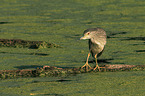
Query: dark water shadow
x=63 y=80
x=60 y=80
x=53 y=94
x=140 y=50
x=107 y=61
x=113 y=34
x=135 y=38
x=28 y=66
x=137 y=44
x=39 y=54
x=110 y=37
x=4 y=22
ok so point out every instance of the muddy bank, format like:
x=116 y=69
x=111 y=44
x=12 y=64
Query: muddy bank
x=48 y=71
x=18 y=43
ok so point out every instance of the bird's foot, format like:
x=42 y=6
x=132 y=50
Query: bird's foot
x=97 y=67
x=87 y=66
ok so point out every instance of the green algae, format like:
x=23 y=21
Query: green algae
x=106 y=83
x=63 y=22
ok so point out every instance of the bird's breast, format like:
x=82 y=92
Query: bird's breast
x=95 y=48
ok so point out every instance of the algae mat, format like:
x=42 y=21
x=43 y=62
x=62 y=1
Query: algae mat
x=62 y=22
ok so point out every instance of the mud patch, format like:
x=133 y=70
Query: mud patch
x=51 y=71
x=18 y=43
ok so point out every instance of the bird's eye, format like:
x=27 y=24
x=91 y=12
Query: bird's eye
x=88 y=33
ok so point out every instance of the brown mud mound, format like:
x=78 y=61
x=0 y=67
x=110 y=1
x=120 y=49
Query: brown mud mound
x=55 y=71
x=18 y=43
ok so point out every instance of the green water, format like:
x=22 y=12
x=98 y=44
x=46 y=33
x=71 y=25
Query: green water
x=62 y=22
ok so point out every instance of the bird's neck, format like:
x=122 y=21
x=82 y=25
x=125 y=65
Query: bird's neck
x=97 y=43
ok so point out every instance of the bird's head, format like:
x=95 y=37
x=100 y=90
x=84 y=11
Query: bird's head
x=87 y=34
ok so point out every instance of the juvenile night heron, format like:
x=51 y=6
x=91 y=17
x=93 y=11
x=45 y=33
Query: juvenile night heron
x=97 y=41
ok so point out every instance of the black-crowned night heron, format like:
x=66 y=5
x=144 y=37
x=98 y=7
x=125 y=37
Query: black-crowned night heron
x=97 y=41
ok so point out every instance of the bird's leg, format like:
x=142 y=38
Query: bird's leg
x=97 y=66
x=87 y=65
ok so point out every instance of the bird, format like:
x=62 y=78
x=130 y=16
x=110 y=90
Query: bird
x=97 y=41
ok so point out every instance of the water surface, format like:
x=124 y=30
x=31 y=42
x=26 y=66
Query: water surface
x=63 y=22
